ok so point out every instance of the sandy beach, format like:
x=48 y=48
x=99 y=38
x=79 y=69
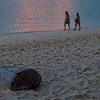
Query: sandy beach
x=68 y=61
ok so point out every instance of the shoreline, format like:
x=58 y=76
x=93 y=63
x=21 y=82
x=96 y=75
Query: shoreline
x=47 y=35
x=45 y=31
x=68 y=61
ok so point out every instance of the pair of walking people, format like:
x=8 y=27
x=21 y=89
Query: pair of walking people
x=67 y=21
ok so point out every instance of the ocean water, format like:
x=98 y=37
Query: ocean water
x=42 y=15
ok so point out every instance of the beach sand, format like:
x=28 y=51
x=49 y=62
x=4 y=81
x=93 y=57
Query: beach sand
x=68 y=61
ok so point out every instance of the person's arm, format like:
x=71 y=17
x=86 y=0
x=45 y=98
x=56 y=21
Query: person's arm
x=78 y=19
x=68 y=17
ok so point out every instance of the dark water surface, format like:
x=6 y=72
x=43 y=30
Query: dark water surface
x=43 y=15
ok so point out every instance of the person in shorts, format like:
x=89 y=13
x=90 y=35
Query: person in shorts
x=67 y=21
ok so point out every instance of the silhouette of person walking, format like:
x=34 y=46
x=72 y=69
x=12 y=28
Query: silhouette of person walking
x=67 y=21
x=77 y=21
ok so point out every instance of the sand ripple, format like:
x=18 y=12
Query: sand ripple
x=70 y=69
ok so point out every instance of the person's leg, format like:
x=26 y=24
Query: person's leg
x=69 y=26
x=79 y=27
x=75 y=26
x=64 y=26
